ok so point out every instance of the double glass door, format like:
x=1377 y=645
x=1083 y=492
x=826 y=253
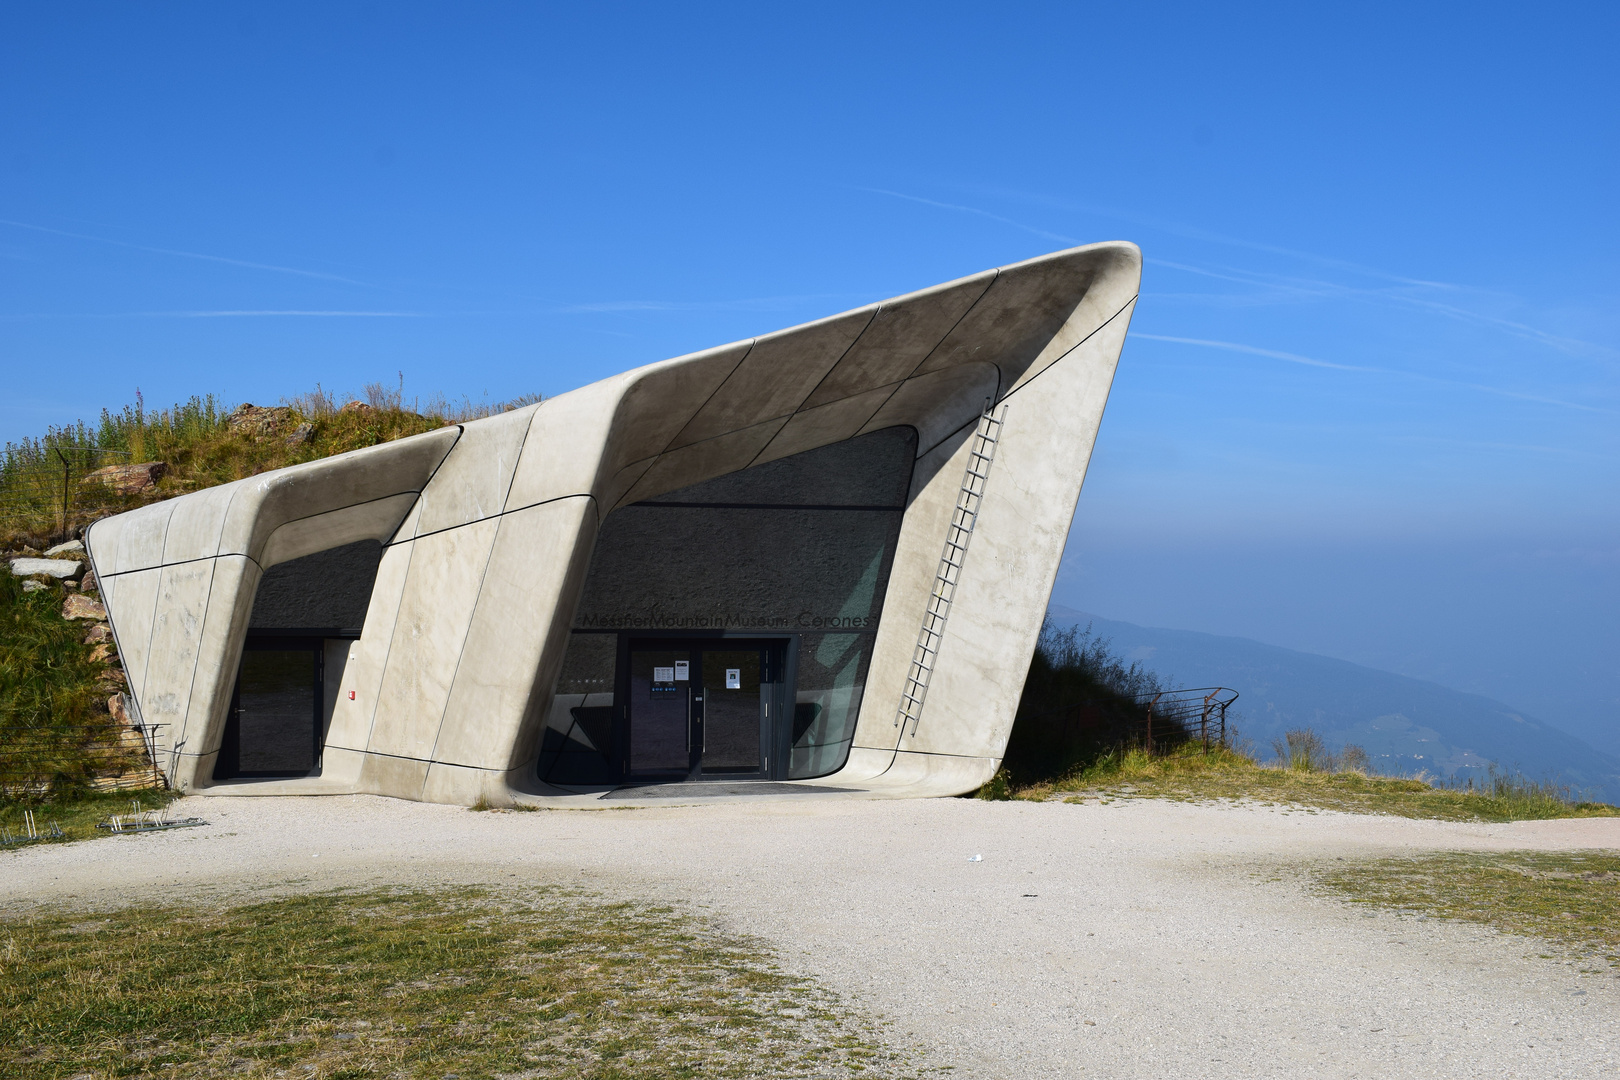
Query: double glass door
x=703 y=709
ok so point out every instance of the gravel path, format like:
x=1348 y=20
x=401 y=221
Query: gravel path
x=1138 y=939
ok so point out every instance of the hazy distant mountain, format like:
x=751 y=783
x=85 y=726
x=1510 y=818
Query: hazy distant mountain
x=1404 y=724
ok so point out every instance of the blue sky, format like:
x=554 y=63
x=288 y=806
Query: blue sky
x=1370 y=405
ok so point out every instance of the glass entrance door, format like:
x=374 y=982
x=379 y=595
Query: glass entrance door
x=735 y=712
x=704 y=709
x=274 y=726
x=661 y=713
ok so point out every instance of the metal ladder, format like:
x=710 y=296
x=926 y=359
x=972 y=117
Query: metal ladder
x=963 y=518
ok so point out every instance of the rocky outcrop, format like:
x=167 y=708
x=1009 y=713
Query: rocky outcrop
x=82 y=607
x=60 y=569
x=259 y=421
x=356 y=407
x=127 y=479
x=301 y=435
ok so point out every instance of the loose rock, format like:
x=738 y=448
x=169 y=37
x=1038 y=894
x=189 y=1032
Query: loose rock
x=82 y=607
x=60 y=569
x=302 y=434
x=258 y=421
x=98 y=633
x=32 y=586
x=127 y=479
x=100 y=653
x=72 y=547
x=356 y=407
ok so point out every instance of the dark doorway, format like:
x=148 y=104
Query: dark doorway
x=704 y=709
x=274 y=726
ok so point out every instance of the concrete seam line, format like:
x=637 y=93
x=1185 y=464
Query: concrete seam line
x=1070 y=350
x=175 y=740
x=461 y=651
x=495 y=517
x=393 y=631
x=250 y=558
x=977 y=300
x=460 y=429
x=909 y=375
x=196 y=655
x=797 y=409
x=523 y=445
x=695 y=412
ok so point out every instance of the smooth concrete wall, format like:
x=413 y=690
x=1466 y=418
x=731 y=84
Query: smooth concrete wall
x=489 y=528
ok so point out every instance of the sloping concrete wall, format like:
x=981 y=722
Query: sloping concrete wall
x=488 y=530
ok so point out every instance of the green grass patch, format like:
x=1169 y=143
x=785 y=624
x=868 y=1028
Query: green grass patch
x=77 y=815
x=1190 y=773
x=1570 y=898
x=58 y=742
x=413 y=985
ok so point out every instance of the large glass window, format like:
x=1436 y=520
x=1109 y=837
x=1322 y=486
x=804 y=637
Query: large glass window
x=577 y=747
x=797 y=547
x=832 y=675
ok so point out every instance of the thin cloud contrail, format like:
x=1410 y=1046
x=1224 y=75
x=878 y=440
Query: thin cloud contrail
x=189 y=254
x=1295 y=358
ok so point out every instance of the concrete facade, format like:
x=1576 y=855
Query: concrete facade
x=486 y=534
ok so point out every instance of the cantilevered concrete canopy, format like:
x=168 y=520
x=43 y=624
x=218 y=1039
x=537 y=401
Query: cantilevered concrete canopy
x=447 y=691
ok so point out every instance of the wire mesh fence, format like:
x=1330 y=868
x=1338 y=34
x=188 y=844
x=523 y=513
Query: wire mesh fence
x=1156 y=721
x=99 y=756
x=1175 y=717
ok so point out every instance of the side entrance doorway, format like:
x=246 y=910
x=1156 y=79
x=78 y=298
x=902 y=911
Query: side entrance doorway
x=705 y=709
x=286 y=689
x=274 y=726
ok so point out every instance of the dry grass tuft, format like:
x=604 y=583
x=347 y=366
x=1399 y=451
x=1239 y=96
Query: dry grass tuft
x=1194 y=774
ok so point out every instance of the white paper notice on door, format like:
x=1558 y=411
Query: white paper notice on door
x=663 y=674
x=683 y=671
x=733 y=678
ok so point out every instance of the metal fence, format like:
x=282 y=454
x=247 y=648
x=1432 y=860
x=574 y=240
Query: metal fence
x=1156 y=722
x=1182 y=716
x=104 y=756
x=43 y=489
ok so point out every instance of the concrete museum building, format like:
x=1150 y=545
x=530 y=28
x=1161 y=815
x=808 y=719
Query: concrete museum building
x=818 y=557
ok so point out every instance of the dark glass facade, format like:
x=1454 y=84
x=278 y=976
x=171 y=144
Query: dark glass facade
x=796 y=550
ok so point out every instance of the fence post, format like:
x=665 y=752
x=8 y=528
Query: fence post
x=67 y=480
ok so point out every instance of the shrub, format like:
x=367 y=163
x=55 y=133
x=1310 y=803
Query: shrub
x=1080 y=701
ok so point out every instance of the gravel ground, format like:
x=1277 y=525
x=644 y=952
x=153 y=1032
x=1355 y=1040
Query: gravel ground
x=1137 y=939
